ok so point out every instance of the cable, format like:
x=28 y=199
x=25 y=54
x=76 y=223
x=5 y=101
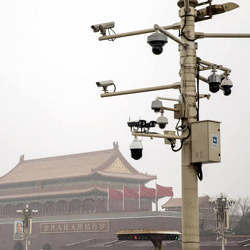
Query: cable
x=182 y=30
x=198 y=169
x=198 y=91
x=173 y=146
x=109 y=33
x=172 y=141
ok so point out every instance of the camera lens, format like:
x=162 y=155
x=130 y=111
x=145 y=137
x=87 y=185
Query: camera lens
x=227 y=91
x=157 y=50
x=214 y=87
x=136 y=153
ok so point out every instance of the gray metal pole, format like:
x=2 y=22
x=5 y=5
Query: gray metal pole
x=26 y=243
x=190 y=208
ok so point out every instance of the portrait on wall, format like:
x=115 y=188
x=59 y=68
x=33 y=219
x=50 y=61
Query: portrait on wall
x=18 y=230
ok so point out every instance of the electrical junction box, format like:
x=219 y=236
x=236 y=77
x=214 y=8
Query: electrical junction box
x=205 y=136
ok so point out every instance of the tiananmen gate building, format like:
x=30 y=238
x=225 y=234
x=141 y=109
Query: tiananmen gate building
x=79 y=197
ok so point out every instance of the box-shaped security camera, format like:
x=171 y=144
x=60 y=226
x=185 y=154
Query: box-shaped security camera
x=205 y=137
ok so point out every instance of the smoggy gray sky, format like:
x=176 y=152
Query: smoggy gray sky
x=49 y=104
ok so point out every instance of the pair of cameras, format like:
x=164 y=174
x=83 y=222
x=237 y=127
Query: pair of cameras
x=216 y=82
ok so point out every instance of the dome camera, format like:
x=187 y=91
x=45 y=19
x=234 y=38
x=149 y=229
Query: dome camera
x=156 y=105
x=136 y=149
x=214 y=81
x=226 y=85
x=162 y=121
x=157 y=40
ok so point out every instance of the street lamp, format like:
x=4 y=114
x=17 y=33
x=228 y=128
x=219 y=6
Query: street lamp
x=221 y=207
x=200 y=141
x=27 y=222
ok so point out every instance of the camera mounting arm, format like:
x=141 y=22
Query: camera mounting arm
x=200 y=35
x=167 y=99
x=175 y=26
x=210 y=65
x=142 y=90
x=162 y=30
x=161 y=136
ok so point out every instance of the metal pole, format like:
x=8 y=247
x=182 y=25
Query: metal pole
x=200 y=35
x=142 y=90
x=223 y=240
x=26 y=243
x=190 y=208
x=151 y=135
x=174 y=26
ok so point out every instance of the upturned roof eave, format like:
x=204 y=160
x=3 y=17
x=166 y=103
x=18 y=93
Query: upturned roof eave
x=55 y=193
x=140 y=178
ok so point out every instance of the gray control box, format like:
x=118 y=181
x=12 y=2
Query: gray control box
x=205 y=136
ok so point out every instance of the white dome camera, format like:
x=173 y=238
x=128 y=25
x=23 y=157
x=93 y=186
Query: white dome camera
x=136 y=149
x=157 y=40
x=162 y=121
x=226 y=85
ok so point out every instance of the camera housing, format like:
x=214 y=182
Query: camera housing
x=162 y=121
x=105 y=85
x=214 y=81
x=142 y=125
x=136 y=149
x=156 y=105
x=102 y=27
x=157 y=40
x=226 y=86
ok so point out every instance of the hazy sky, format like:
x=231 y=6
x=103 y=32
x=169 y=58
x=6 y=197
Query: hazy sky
x=49 y=104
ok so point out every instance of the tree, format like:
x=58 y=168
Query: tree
x=242 y=205
x=243 y=226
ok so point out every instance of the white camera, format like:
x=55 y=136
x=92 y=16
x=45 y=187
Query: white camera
x=102 y=27
x=136 y=149
x=156 y=105
x=162 y=121
x=105 y=85
x=226 y=86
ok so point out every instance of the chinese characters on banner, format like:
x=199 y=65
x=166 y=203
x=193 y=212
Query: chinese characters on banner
x=74 y=227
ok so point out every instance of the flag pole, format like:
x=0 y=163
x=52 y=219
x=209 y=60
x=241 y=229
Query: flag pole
x=156 y=196
x=139 y=192
x=108 y=186
x=123 y=198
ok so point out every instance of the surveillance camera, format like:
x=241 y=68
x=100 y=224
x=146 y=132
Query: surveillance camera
x=102 y=27
x=156 y=105
x=226 y=86
x=105 y=84
x=214 y=81
x=162 y=121
x=136 y=149
x=157 y=40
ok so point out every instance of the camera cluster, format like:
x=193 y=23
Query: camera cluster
x=141 y=126
x=217 y=82
x=157 y=107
